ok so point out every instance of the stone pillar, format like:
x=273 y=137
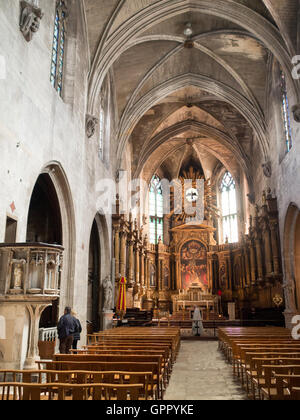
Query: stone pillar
x=107 y=320
x=35 y=311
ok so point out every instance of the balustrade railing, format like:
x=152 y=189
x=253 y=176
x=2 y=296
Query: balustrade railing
x=48 y=334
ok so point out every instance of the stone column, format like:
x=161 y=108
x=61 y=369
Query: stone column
x=35 y=311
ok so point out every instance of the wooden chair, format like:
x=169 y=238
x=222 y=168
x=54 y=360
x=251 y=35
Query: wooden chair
x=35 y=392
x=295 y=394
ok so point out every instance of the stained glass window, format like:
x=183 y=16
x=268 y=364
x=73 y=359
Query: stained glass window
x=286 y=113
x=156 y=210
x=229 y=209
x=58 y=48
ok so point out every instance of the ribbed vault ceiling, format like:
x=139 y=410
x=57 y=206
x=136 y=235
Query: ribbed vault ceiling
x=143 y=51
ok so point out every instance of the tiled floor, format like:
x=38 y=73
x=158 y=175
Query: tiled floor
x=201 y=373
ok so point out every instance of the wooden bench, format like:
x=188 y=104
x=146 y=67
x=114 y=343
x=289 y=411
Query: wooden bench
x=83 y=377
x=77 y=392
x=282 y=390
x=132 y=367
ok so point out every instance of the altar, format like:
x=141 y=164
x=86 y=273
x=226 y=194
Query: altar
x=187 y=300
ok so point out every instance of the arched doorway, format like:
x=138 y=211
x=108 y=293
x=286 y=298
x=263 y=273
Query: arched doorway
x=99 y=273
x=45 y=226
x=51 y=220
x=292 y=261
x=94 y=279
x=44 y=217
x=297 y=261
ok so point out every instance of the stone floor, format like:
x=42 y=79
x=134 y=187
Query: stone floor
x=201 y=373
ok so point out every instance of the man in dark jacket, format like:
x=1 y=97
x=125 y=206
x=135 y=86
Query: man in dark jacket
x=66 y=328
x=76 y=336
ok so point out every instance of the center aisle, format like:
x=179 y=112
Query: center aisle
x=201 y=373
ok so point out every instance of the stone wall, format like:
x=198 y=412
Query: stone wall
x=39 y=129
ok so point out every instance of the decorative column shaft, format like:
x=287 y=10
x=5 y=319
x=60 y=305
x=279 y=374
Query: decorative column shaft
x=253 y=264
x=137 y=265
x=177 y=273
x=247 y=267
x=160 y=274
x=268 y=252
x=259 y=259
x=142 y=269
x=117 y=253
x=147 y=272
x=131 y=263
x=123 y=255
x=275 y=248
x=35 y=311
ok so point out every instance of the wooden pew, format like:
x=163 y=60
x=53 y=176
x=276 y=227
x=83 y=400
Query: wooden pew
x=119 y=358
x=266 y=368
x=251 y=349
x=17 y=391
x=82 y=377
x=131 y=367
x=163 y=352
x=295 y=394
x=282 y=390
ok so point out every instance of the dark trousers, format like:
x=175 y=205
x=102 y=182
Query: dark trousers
x=66 y=344
x=74 y=345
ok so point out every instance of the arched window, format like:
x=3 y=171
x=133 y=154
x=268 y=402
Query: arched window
x=101 y=131
x=229 y=209
x=286 y=113
x=156 y=210
x=58 y=48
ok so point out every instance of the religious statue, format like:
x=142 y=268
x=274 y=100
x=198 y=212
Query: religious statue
x=30 y=19
x=223 y=277
x=198 y=329
x=17 y=276
x=108 y=294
